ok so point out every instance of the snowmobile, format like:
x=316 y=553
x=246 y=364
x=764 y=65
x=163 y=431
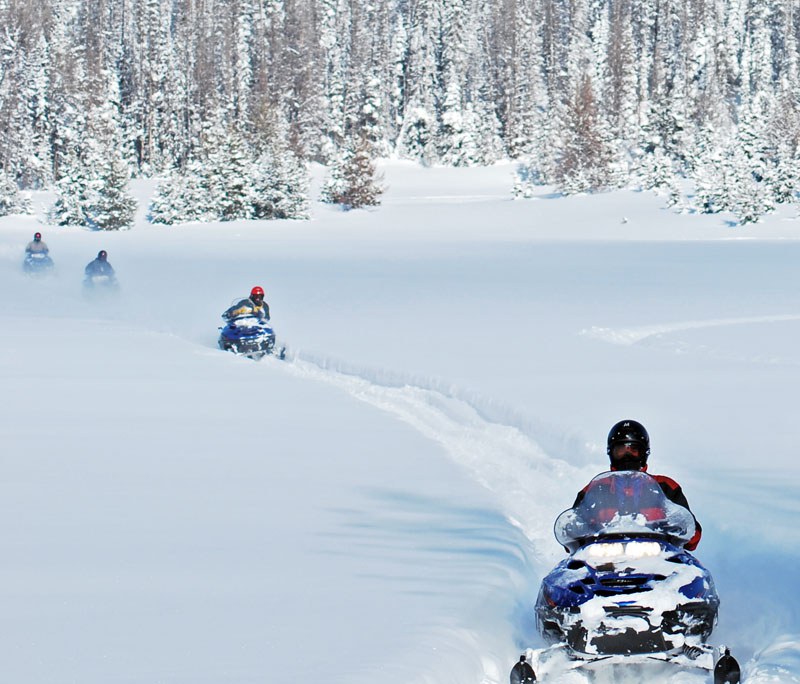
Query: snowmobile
x=37 y=263
x=100 y=285
x=628 y=594
x=249 y=336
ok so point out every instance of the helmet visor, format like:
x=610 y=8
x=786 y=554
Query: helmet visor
x=627 y=454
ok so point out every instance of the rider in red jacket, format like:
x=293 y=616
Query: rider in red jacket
x=628 y=447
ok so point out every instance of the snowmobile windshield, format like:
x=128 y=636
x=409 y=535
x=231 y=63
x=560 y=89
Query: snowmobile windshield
x=623 y=505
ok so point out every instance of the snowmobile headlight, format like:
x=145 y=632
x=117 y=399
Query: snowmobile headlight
x=642 y=549
x=609 y=550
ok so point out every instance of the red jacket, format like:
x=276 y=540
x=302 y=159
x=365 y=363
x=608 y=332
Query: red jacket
x=672 y=490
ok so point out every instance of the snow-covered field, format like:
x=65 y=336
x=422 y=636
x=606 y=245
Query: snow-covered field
x=380 y=506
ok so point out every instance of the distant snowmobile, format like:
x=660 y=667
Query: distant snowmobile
x=99 y=277
x=37 y=263
x=250 y=336
x=628 y=594
x=100 y=285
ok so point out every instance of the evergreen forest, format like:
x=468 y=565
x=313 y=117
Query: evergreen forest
x=229 y=100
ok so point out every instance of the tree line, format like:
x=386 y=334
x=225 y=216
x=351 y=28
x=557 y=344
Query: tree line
x=587 y=94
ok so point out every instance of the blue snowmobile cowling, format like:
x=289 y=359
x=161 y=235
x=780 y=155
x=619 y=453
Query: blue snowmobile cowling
x=628 y=586
x=249 y=336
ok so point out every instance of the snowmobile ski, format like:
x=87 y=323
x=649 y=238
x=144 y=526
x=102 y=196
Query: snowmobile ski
x=727 y=670
x=522 y=672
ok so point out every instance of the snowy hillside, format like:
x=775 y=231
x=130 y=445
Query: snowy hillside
x=380 y=505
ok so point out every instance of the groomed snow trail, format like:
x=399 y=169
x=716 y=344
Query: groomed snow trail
x=637 y=335
x=663 y=336
x=529 y=484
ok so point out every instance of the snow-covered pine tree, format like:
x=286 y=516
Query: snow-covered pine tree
x=182 y=197
x=353 y=181
x=657 y=172
x=167 y=204
x=93 y=191
x=455 y=141
x=610 y=69
x=227 y=172
x=395 y=80
x=585 y=156
x=289 y=69
x=783 y=129
x=421 y=115
x=784 y=177
x=24 y=143
x=710 y=66
x=114 y=207
x=66 y=97
x=481 y=107
x=417 y=135
x=39 y=167
x=660 y=156
x=517 y=49
x=11 y=200
x=334 y=40
x=200 y=190
x=732 y=172
x=152 y=85
x=539 y=166
x=708 y=170
x=236 y=178
x=750 y=193
x=618 y=58
x=242 y=76
x=279 y=188
x=756 y=60
x=380 y=75
x=71 y=191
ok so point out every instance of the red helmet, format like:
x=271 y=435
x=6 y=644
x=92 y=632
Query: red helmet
x=257 y=291
x=37 y=236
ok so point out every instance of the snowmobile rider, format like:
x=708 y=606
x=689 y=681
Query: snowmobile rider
x=36 y=246
x=100 y=266
x=253 y=306
x=628 y=447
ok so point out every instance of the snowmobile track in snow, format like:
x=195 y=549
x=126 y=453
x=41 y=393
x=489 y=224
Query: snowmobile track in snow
x=505 y=459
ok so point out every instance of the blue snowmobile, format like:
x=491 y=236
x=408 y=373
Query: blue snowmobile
x=250 y=336
x=628 y=593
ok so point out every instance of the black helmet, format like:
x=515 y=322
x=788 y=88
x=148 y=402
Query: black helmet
x=102 y=254
x=37 y=237
x=628 y=446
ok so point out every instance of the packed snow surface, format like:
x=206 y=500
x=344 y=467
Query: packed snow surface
x=379 y=506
